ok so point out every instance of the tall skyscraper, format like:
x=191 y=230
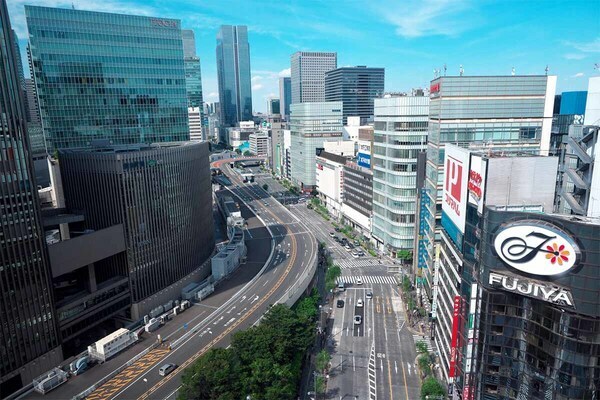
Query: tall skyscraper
x=308 y=75
x=29 y=339
x=400 y=134
x=311 y=125
x=233 y=70
x=107 y=76
x=356 y=87
x=273 y=107
x=161 y=194
x=193 y=74
x=511 y=114
x=285 y=96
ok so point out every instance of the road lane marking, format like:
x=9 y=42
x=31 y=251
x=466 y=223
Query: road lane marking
x=390 y=380
x=395 y=367
x=405 y=383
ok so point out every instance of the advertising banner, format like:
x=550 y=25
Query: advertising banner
x=454 y=337
x=476 y=183
x=456 y=167
x=364 y=160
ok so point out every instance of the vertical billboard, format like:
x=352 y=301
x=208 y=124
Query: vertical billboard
x=476 y=185
x=454 y=338
x=364 y=154
x=456 y=174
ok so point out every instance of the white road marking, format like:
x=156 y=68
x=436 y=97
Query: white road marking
x=231 y=309
x=353 y=364
x=409 y=366
x=265 y=284
x=255 y=299
x=229 y=322
x=218 y=320
x=395 y=366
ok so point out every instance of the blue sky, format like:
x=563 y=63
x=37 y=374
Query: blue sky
x=408 y=38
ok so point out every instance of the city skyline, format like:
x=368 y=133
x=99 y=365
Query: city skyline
x=485 y=39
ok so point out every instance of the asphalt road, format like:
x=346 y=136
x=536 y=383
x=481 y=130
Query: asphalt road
x=374 y=359
x=295 y=249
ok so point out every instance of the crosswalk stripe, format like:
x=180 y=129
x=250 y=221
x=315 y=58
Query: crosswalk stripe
x=368 y=279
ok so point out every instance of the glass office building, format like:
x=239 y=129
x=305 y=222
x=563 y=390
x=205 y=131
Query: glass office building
x=308 y=70
x=193 y=74
x=233 y=70
x=510 y=114
x=311 y=125
x=285 y=96
x=356 y=87
x=400 y=135
x=107 y=76
x=29 y=338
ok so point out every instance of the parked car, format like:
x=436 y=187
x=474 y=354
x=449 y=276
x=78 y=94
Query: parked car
x=359 y=303
x=340 y=304
x=361 y=253
x=337 y=229
x=166 y=369
x=347 y=246
x=369 y=295
x=341 y=287
x=357 y=320
x=355 y=254
x=356 y=243
x=332 y=234
x=359 y=281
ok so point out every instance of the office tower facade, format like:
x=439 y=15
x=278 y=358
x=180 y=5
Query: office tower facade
x=285 y=96
x=164 y=205
x=193 y=73
x=33 y=111
x=311 y=125
x=107 y=76
x=233 y=70
x=356 y=88
x=273 y=107
x=195 y=121
x=357 y=206
x=330 y=181
x=29 y=338
x=500 y=113
x=308 y=75
x=400 y=134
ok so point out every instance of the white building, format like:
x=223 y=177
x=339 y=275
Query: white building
x=308 y=75
x=345 y=148
x=287 y=143
x=330 y=181
x=592 y=105
x=259 y=144
x=195 y=123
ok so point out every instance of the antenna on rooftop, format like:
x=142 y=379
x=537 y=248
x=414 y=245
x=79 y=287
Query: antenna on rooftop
x=462 y=71
x=73 y=6
x=513 y=71
x=445 y=68
x=597 y=66
x=547 y=69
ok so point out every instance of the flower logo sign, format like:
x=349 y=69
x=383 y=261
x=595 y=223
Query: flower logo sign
x=536 y=249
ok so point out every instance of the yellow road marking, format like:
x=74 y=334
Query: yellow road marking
x=390 y=380
x=404 y=376
x=190 y=360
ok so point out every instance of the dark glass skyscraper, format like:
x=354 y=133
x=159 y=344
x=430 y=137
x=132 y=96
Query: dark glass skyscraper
x=285 y=96
x=233 y=69
x=356 y=87
x=193 y=75
x=29 y=339
x=107 y=76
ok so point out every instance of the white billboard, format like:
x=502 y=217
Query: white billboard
x=456 y=174
x=476 y=184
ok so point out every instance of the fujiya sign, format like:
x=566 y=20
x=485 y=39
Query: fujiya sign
x=549 y=293
x=536 y=249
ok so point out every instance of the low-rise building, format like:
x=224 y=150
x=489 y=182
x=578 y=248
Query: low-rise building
x=357 y=205
x=195 y=123
x=330 y=181
x=259 y=144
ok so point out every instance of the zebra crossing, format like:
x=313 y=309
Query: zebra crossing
x=348 y=263
x=368 y=279
x=427 y=340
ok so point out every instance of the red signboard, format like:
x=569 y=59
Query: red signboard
x=454 y=171
x=454 y=337
x=435 y=87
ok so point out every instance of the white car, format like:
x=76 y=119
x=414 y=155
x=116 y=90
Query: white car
x=354 y=254
x=359 y=303
x=357 y=320
x=359 y=281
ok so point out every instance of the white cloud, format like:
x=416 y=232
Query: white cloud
x=578 y=75
x=285 y=72
x=256 y=79
x=415 y=18
x=587 y=47
x=257 y=86
x=271 y=96
x=213 y=95
x=574 y=56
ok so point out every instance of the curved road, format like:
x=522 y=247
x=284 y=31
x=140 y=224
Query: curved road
x=294 y=252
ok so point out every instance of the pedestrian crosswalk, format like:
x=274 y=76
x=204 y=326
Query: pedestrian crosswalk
x=348 y=263
x=426 y=340
x=369 y=279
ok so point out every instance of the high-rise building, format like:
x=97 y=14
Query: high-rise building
x=233 y=70
x=193 y=73
x=195 y=121
x=400 y=135
x=308 y=75
x=285 y=96
x=273 y=107
x=357 y=206
x=33 y=111
x=311 y=125
x=356 y=88
x=511 y=114
x=161 y=194
x=107 y=76
x=29 y=338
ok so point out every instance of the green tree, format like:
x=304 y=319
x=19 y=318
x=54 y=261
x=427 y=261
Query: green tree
x=238 y=151
x=405 y=255
x=213 y=376
x=247 y=153
x=265 y=186
x=406 y=284
x=320 y=384
x=431 y=387
x=323 y=359
x=423 y=362
x=421 y=347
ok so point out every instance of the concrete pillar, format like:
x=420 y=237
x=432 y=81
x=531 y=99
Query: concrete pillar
x=92 y=278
